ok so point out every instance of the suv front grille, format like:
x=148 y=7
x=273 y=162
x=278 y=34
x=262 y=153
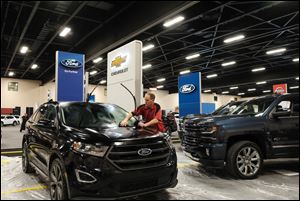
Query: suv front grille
x=124 y=155
x=194 y=135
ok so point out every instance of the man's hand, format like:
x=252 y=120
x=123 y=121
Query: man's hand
x=142 y=125
x=124 y=122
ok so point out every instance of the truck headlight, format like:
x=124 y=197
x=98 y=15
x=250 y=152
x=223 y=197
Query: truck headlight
x=211 y=130
x=95 y=150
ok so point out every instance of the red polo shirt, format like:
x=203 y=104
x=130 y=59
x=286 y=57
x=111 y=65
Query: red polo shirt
x=149 y=114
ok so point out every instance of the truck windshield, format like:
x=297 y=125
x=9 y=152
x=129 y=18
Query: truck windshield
x=227 y=109
x=254 y=107
x=93 y=115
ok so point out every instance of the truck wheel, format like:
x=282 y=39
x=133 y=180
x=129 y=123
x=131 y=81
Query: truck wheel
x=26 y=167
x=58 y=186
x=244 y=160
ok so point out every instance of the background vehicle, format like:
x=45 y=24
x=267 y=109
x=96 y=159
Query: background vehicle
x=83 y=153
x=18 y=118
x=223 y=110
x=263 y=128
x=8 y=120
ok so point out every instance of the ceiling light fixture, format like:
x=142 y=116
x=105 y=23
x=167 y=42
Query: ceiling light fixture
x=263 y=82
x=267 y=91
x=173 y=21
x=153 y=89
x=296 y=60
x=146 y=66
x=97 y=60
x=24 y=49
x=65 y=32
x=160 y=86
x=192 y=56
x=297 y=78
x=253 y=89
x=206 y=91
x=233 y=39
x=11 y=73
x=240 y=94
x=225 y=92
x=34 y=66
x=93 y=72
x=276 y=51
x=294 y=87
x=211 y=76
x=258 y=69
x=233 y=87
x=228 y=63
x=148 y=47
x=184 y=72
x=103 y=82
x=161 y=79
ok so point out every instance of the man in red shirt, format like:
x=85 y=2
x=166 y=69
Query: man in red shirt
x=151 y=113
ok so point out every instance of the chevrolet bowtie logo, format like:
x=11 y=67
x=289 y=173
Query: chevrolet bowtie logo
x=118 y=61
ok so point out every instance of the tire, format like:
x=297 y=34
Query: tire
x=26 y=167
x=2 y=124
x=58 y=185
x=15 y=123
x=244 y=160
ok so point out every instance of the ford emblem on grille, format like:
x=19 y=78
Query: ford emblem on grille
x=187 y=88
x=71 y=63
x=144 y=152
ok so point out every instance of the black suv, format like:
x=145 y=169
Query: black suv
x=262 y=128
x=82 y=152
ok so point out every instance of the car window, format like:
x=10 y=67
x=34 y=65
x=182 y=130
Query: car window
x=2 y=117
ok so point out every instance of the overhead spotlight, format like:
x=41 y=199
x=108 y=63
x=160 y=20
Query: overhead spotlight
x=207 y=91
x=211 y=76
x=97 y=60
x=103 y=82
x=258 y=69
x=266 y=91
x=296 y=60
x=24 y=49
x=294 y=87
x=192 y=56
x=161 y=79
x=184 y=72
x=146 y=66
x=11 y=74
x=233 y=87
x=253 y=89
x=93 y=72
x=34 y=66
x=240 y=94
x=173 y=21
x=148 y=47
x=233 y=39
x=263 y=82
x=228 y=63
x=65 y=31
x=160 y=86
x=276 y=51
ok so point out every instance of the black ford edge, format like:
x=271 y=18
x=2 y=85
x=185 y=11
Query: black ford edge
x=82 y=152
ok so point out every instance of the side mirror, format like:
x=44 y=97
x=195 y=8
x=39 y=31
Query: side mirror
x=281 y=114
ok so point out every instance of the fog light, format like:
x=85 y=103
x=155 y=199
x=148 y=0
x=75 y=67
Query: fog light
x=207 y=151
x=84 y=177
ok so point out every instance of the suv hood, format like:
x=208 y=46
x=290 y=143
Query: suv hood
x=216 y=119
x=109 y=134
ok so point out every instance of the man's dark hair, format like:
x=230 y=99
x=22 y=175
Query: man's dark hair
x=152 y=95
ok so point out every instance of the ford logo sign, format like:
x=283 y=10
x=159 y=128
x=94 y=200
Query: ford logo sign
x=187 y=88
x=71 y=63
x=144 y=152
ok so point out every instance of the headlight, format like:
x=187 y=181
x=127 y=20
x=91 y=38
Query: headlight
x=95 y=150
x=211 y=130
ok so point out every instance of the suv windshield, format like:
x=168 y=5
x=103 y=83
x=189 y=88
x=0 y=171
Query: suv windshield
x=93 y=115
x=254 y=107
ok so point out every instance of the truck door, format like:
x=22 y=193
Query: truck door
x=284 y=130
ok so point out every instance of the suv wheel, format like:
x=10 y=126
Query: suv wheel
x=15 y=123
x=26 y=167
x=58 y=187
x=244 y=160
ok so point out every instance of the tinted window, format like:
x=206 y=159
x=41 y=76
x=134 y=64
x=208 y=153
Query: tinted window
x=254 y=107
x=93 y=115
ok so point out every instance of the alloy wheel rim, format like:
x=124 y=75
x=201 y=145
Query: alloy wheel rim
x=248 y=161
x=56 y=182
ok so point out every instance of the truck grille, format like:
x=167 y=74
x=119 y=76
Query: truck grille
x=194 y=135
x=124 y=155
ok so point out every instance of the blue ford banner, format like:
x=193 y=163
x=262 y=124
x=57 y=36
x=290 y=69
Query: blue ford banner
x=69 y=74
x=189 y=91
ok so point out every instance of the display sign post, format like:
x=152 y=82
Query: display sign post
x=69 y=76
x=189 y=88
